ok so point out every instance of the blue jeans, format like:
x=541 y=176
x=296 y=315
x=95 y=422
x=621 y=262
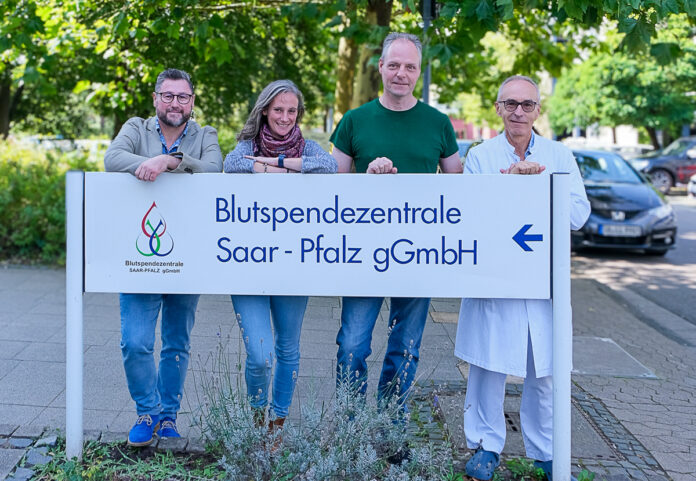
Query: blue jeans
x=255 y=315
x=407 y=318
x=156 y=391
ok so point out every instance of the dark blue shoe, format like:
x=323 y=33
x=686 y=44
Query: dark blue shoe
x=168 y=428
x=482 y=464
x=547 y=466
x=143 y=431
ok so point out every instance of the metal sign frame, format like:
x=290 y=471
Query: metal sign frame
x=559 y=212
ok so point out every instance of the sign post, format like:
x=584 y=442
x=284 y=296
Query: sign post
x=74 y=290
x=410 y=235
x=562 y=325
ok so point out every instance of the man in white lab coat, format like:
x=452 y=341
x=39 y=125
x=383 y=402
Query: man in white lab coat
x=513 y=336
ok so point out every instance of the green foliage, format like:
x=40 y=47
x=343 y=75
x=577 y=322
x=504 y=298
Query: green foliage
x=586 y=475
x=115 y=462
x=32 y=201
x=62 y=62
x=522 y=468
x=613 y=88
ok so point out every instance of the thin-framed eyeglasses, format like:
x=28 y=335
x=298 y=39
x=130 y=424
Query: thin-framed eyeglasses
x=168 y=97
x=511 y=105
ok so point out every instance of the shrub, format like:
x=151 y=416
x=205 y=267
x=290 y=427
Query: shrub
x=32 y=201
x=353 y=438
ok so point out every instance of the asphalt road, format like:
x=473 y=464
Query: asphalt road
x=668 y=281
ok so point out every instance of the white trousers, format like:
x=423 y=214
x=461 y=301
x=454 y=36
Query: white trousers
x=484 y=420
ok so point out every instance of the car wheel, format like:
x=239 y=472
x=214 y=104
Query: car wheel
x=656 y=252
x=662 y=180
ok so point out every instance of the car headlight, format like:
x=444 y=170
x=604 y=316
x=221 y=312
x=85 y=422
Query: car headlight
x=639 y=164
x=661 y=211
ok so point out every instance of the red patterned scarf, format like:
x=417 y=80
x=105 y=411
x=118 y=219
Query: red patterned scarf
x=267 y=145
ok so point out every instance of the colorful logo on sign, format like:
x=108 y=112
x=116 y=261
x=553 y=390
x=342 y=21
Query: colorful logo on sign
x=154 y=240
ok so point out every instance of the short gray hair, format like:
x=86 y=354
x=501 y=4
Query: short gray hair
x=519 y=77
x=394 y=36
x=252 y=127
x=172 y=74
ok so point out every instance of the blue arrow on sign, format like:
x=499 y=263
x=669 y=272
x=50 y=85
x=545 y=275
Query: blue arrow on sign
x=522 y=237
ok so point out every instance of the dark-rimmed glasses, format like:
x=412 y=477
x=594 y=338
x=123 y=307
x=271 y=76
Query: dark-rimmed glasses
x=168 y=97
x=511 y=105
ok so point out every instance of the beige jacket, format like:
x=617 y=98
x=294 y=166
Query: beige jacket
x=139 y=140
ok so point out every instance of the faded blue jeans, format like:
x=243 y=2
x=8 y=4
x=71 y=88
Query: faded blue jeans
x=255 y=314
x=156 y=391
x=407 y=318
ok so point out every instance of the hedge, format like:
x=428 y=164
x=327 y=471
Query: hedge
x=32 y=200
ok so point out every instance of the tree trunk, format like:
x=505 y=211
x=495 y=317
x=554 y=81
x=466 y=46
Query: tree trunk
x=118 y=123
x=653 y=137
x=368 y=79
x=5 y=105
x=345 y=73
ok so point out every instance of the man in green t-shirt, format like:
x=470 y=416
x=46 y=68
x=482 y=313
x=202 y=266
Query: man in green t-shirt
x=392 y=134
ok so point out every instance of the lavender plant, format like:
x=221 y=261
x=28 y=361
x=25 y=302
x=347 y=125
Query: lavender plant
x=353 y=437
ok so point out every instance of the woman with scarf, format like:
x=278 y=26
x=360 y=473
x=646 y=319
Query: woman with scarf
x=271 y=141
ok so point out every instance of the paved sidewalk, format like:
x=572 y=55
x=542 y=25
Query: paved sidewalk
x=634 y=393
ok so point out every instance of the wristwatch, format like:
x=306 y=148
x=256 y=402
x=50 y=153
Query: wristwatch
x=281 y=157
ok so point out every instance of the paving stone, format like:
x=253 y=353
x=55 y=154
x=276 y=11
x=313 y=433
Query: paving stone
x=8 y=460
x=37 y=457
x=638 y=475
x=21 y=474
x=196 y=446
x=176 y=445
x=47 y=441
x=92 y=435
x=113 y=437
x=655 y=476
x=28 y=431
x=19 y=443
x=7 y=429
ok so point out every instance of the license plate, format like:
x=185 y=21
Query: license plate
x=614 y=230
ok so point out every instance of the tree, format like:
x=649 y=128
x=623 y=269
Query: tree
x=232 y=50
x=110 y=52
x=544 y=36
x=643 y=90
x=21 y=53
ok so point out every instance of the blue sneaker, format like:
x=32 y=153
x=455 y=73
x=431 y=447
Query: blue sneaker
x=168 y=428
x=143 y=431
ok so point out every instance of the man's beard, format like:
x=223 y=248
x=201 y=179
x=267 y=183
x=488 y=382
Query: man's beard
x=162 y=116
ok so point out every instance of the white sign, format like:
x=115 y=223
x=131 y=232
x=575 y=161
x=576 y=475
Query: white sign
x=349 y=235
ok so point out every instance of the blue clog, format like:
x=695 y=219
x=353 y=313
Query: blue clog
x=482 y=464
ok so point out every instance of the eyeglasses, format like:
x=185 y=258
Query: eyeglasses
x=168 y=97
x=511 y=105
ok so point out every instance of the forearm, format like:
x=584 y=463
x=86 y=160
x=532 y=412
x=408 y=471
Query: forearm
x=237 y=160
x=211 y=157
x=268 y=168
x=320 y=163
x=116 y=160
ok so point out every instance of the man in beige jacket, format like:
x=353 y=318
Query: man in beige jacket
x=168 y=142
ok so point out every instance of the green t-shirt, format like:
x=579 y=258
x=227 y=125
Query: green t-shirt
x=415 y=139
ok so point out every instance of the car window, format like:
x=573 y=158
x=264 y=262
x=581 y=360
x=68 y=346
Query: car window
x=464 y=146
x=677 y=147
x=606 y=168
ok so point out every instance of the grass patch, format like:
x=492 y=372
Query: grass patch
x=118 y=462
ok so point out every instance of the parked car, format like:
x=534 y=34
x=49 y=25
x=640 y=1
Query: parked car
x=691 y=187
x=464 y=146
x=633 y=151
x=673 y=165
x=627 y=211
